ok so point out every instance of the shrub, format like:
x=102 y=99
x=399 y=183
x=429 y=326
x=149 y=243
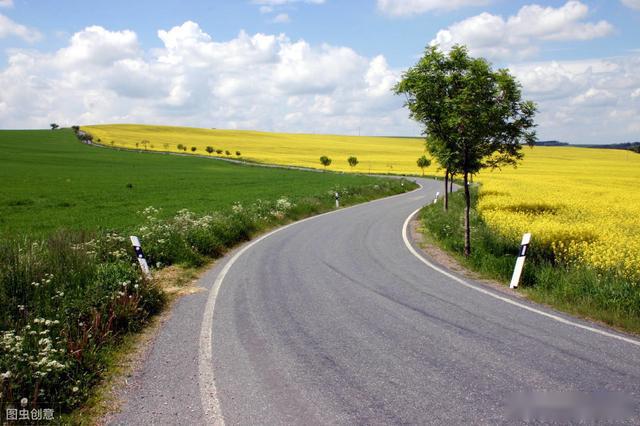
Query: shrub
x=325 y=161
x=66 y=299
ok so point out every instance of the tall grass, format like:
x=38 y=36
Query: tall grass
x=69 y=299
x=578 y=289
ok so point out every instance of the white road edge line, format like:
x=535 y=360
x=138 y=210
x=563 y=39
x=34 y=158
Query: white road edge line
x=504 y=299
x=206 y=379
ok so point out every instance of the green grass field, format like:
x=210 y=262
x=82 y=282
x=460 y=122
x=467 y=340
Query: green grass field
x=81 y=289
x=50 y=180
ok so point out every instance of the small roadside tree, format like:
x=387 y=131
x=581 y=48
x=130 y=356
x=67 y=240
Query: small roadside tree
x=218 y=151
x=54 y=126
x=227 y=152
x=194 y=149
x=423 y=162
x=238 y=153
x=473 y=117
x=210 y=150
x=180 y=146
x=325 y=161
x=353 y=161
x=145 y=143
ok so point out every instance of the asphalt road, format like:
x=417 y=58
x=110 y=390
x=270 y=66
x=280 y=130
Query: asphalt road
x=335 y=321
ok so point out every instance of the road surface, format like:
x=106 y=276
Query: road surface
x=334 y=320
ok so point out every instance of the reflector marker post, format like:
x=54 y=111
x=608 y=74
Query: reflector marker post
x=517 y=272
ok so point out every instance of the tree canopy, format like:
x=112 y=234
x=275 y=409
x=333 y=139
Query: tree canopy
x=472 y=116
x=423 y=162
x=325 y=161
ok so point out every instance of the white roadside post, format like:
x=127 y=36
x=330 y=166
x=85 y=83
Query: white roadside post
x=337 y=200
x=517 y=272
x=135 y=242
x=435 y=200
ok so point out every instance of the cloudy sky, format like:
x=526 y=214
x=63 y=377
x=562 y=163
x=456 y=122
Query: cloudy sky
x=321 y=66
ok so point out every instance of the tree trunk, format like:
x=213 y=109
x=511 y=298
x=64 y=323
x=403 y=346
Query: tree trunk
x=467 y=225
x=446 y=193
x=451 y=184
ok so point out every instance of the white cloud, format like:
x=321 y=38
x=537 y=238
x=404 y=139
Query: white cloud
x=584 y=101
x=6 y=3
x=520 y=36
x=595 y=98
x=99 y=47
x=633 y=4
x=266 y=9
x=416 y=7
x=258 y=81
x=10 y=28
x=270 y=82
x=281 y=18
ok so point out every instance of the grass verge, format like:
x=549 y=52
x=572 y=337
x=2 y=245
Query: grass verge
x=575 y=289
x=73 y=298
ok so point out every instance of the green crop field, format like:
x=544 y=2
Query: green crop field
x=50 y=180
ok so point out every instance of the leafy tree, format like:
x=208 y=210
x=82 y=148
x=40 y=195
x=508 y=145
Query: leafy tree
x=180 y=147
x=193 y=149
x=210 y=150
x=423 y=162
x=75 y=129
x=353 y=161
x=325 y=161
x=238 y=153
x=228 y=152
x=218 y=151
x=473 y=117
x=54 y=126
x=145 y=143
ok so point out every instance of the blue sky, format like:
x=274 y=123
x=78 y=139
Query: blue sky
x=309 y=65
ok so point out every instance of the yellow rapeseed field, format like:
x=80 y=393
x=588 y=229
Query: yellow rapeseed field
x=583 y=204
x=376 y=154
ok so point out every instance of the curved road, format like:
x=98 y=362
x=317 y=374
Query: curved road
x=335 y=321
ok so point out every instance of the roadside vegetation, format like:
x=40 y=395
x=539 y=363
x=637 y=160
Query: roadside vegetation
x=584 y=256
x=607 y=295
x=70 y=296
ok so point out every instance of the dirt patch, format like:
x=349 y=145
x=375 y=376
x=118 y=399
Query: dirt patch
x=177 y=281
